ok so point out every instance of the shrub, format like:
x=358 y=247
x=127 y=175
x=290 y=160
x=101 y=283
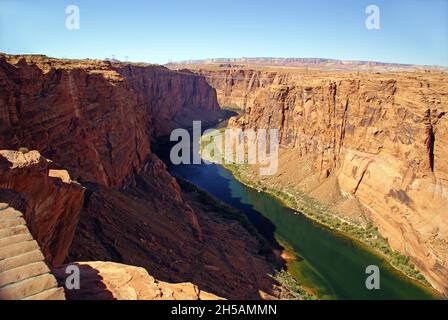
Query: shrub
x=24 y=150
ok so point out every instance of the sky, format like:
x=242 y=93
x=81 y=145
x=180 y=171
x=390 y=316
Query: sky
x=159 y=31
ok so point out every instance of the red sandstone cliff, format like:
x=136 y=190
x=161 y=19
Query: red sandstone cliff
x=97 y=120
x=370 y=145
x=93 y=117
x=172 y=99
x=52 y=204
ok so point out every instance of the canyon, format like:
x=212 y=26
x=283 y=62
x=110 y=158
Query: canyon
x=371 y=146
x=99 y=193
x=78 y=140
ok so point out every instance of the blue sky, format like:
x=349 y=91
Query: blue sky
x=412 y=31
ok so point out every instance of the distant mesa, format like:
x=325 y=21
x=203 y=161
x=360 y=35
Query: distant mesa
x=330 y=64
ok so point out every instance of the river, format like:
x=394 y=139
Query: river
x=331 y=265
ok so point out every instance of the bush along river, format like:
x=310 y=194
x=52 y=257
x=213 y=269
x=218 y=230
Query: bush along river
x=328 y=263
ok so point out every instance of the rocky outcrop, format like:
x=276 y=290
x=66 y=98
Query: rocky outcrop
x=50 y=201
x=370 y=145
x=114 y=281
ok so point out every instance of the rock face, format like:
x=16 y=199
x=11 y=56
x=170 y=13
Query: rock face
x=173 y=235
x=107 y=280
x=50 y=201
x=368 y=144
x=94 y=117
x=97 y=120
x=172 y=99
x=237 y=87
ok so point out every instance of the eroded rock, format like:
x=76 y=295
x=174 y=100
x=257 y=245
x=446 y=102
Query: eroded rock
x=108 y=280
x=51 y=205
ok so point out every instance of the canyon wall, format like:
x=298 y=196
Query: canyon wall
x=93 y=117
x=97 y=120
x=52 y=204
x=236 y=87
x=171 y=99
x=372 y=146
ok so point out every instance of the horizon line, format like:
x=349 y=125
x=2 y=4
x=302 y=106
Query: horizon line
x=186 y=61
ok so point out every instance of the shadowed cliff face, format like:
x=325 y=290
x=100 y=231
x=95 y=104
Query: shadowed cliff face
x=372 y=146
x=176 y=240
x=172 y=100
x=97 y=120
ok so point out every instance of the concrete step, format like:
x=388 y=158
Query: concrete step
x=50 y=294
x=20 y=229
x=10 y=213
x=18 y=248
x=8 y=223
x=15 y=239
x=22 y=273
x=21 y=260
x=28 y=287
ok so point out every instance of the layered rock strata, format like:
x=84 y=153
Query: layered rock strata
x=372 y=146
x=97 y=120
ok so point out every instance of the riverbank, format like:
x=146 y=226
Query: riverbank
x=303 y=204
x=368 y=237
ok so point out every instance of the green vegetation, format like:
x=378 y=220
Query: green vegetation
x=232 y=108
x=302 y=203
x=293 y=289
x=226 y=212
x=23 y=150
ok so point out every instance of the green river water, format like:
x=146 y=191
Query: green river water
x=331 y=265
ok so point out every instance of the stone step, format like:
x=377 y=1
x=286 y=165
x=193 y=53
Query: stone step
x=28 y=287
x=15 y=239
x=50 y=294
x=18 y=248
x=20 y=229
x=21 y=260
x=10 y=213
x=8 y=223
x=22 y=273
